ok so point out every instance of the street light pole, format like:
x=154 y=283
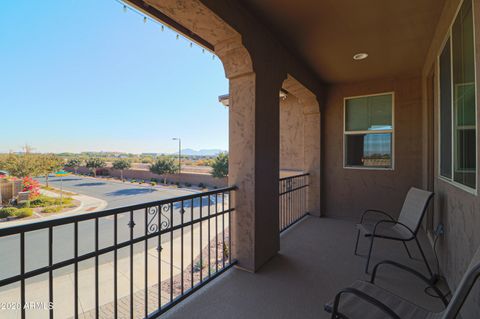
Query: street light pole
x=179 y=153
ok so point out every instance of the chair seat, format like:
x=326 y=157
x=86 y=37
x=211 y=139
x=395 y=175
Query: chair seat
x=386 y=230
x=352 y=307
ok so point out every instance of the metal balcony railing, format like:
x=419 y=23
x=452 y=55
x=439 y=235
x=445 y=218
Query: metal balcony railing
x=293 y=199
x=147 y=257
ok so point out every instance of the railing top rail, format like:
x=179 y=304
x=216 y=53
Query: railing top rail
x=294 y=176
x=12 y=230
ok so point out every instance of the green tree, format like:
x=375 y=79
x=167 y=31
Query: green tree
x=48 y=164
x=220 y=165
x=122 y=164
x=94 y=163
x=20 y=165
x=74 y=163
x=164 y=166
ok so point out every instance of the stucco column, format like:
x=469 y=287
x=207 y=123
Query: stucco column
x=253 y=157
x=312 y=153
x=253 y=168
x=309 y=105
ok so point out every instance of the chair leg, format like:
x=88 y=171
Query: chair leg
x=369 y=254
x=424 y=258
x=406 y=248
x=356 y=243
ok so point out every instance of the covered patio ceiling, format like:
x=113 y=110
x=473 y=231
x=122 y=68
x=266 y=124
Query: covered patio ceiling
x=328 y=33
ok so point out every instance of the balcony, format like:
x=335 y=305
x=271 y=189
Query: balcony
x=136 y=261
x=307 y=51
x=185 y=243
x=315 y=261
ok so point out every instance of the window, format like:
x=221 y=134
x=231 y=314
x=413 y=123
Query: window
x=458 y=153
x=369 y=131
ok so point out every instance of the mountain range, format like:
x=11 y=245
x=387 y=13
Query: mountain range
x=192 y=152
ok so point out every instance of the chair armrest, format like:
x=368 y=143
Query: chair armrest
x=413 y=272
x=376 y=211
x=361 y=295
x=385 y=221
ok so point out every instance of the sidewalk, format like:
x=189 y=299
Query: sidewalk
x=37 y=291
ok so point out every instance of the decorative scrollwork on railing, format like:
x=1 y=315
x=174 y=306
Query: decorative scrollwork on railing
x=165 y=221
x=157 y=218
x=152 y=225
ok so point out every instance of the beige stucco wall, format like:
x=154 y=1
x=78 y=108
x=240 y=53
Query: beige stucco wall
x=349 y=192
x=291 y=134
x=457 y=209
x=183 y=178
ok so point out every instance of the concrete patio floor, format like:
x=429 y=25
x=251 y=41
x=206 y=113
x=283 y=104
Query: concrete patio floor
x=315 y=261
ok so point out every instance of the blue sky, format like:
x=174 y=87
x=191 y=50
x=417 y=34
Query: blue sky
x=83 y=75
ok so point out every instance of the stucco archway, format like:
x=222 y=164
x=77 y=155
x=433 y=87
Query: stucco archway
x=300 y=143
x=253 y=126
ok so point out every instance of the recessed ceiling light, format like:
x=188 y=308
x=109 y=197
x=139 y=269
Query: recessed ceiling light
x=360 y=56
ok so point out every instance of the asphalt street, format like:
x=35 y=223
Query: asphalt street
x=116 y=194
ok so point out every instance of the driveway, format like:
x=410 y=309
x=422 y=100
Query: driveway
x=116 y=194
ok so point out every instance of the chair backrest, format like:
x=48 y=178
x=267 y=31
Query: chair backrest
x=414 y=208
x=464 y=288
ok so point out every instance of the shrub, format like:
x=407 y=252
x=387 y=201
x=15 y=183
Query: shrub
x=25 y=204
x=15 y=212
x=188 y=185
x=213 y=269
x=23 y=212
x=7 y=212
x=226 y=251
x=32 y=186
x=67 y=201
x=198 y=266
x=42 y=201
x=201 y=185
x=133 y=181
x=220 y=166
x=45 y=201
x=52 y=209
x=153 y=183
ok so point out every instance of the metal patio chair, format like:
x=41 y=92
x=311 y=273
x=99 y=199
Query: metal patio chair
x=365 y=300
x=404 y=229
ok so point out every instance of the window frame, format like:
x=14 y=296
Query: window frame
x=448 y=39
x=391 y=131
